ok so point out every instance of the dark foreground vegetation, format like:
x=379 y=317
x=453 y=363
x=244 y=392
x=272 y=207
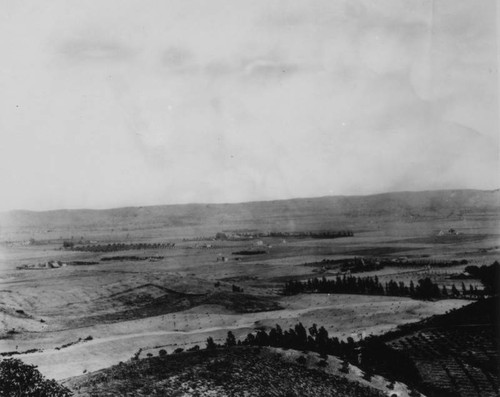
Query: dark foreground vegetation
x=232 y=371
x=489 y=276
x=21 y=380
x=451 y=355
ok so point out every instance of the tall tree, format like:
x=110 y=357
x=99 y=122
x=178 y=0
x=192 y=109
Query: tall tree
x=230 y=340
x=211 y=344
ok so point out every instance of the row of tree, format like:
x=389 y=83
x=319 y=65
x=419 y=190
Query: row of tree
x=324 y=234
x=424 y=289
x=367 y=353
x=116 y=246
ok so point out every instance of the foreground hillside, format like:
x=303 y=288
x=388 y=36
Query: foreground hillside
x=455 y=354
x=237 y=371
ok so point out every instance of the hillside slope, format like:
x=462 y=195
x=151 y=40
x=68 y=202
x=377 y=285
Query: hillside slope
x=293 y=214
x=237 y=371
x=455 y=354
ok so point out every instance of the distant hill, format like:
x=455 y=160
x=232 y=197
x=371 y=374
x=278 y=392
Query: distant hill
x=294 y=214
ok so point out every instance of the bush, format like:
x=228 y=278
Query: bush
x=301 y=360
x=178 y=350
x=162 y=353
x=230 y=340
x=195 y=348
x=68 y=244
x=345 y=367
x=367 y=375
x=23 y=380
x=211 y=344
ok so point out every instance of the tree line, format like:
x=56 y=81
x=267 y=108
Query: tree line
x=424 y=289
x=369 y=353
x=116 y=246
x=488 y=275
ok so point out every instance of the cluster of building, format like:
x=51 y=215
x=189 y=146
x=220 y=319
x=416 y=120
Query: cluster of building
x=46 y=265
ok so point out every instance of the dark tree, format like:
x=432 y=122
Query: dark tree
x=313 y=331
x=23 y=380
x=195 y=348
x=301 y=360
x=230 y=340
x=367 y=375
x=412 y=288
x=301 y=333
x=211 y=344
x=345 y=367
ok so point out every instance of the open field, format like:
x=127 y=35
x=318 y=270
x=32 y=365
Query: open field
x=95 y=308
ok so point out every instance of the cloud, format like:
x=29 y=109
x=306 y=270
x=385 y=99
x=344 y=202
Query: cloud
x=95 y=50
x=178 y=59
x=269 y=70
x=233 y=101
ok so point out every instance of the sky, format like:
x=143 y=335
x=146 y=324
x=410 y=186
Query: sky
x=115 y=103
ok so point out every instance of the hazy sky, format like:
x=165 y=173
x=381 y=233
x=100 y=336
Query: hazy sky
x=110 y=103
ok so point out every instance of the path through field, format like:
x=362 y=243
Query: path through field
x=117 y=342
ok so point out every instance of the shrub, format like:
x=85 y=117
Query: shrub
x=301 y=360
x=195 y=348
x=230 y=340
x=367 y=375
x=211 y=344
x=345 y=367
x=162 y=353
x=23 y=380
x=178 y=350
